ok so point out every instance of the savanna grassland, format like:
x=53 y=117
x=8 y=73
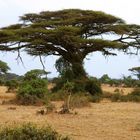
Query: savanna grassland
x=101 y=121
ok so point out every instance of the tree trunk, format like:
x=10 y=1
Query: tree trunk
x=78 y=70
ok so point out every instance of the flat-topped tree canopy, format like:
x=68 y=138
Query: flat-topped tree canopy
x=70 y=33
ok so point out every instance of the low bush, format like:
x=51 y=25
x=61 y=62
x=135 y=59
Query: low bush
x=132 y=97
x=11 y=85
x=116 y=97
x=49 y=107
x=29 y=132
x=96 y=98
x=93 y=86
x=2 y=82
x=136 y=92
x=107 y=95
x=137 y=127
x=57 y=96
x=117 y=90
x=32 y=91
x=79 y=100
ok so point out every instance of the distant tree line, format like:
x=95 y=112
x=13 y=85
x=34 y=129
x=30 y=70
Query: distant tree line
x=125 y=81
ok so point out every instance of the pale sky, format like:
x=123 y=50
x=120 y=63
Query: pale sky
x=115 y=67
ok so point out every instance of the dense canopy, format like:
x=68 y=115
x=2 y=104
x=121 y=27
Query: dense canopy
x=70 y=33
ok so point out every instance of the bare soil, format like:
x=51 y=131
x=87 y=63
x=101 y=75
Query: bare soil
x=101 y=121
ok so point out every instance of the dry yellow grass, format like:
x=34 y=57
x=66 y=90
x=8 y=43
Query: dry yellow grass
x=123 y=90
x=101 y=121
x=5 y=96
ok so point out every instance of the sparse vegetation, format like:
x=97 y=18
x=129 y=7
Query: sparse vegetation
x=125 y=81
x=79 y=100
x=12 y=85
x=49 y=107
x=131 y=97
x=137 y=127
x=29 y=132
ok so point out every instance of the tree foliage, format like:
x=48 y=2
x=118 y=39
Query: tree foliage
x=136 y=71
x=70 y=33
x=3 y=67
x=62 y=65
x=33 y=88
x=35 y=74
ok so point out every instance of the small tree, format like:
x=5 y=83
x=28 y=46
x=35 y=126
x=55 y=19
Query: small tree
x=32 y=88
x=3 y=70
x=105 y=79
x=128 y=81
x=3 y=67
x=68 y=87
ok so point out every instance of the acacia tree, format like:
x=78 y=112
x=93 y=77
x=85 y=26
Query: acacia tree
x=70 y=33
x=34 y=74
x=3 y=70
x=3 y=67
x=136 y=71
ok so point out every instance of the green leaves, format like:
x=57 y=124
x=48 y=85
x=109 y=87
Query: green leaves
x=70 y=33
x=3 y=67
x=136 y=71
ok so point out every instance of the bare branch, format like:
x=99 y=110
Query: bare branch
x=40 y=58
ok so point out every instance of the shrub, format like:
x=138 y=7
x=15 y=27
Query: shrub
x=93 y=87
x=2 y=82
x=49 y=107
x=68 y=87
x=32 y=91
x=30 y=132
x=105 y=79
x=116 y=97
x=117 y=90
x=107 y=95
x=96 y=99
x=57 y=96
x=136 y=92
x=12 y=85
x=59 y=82
x=133 y=97
x=79 y=100
x=137 y=127
x=79 y=85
